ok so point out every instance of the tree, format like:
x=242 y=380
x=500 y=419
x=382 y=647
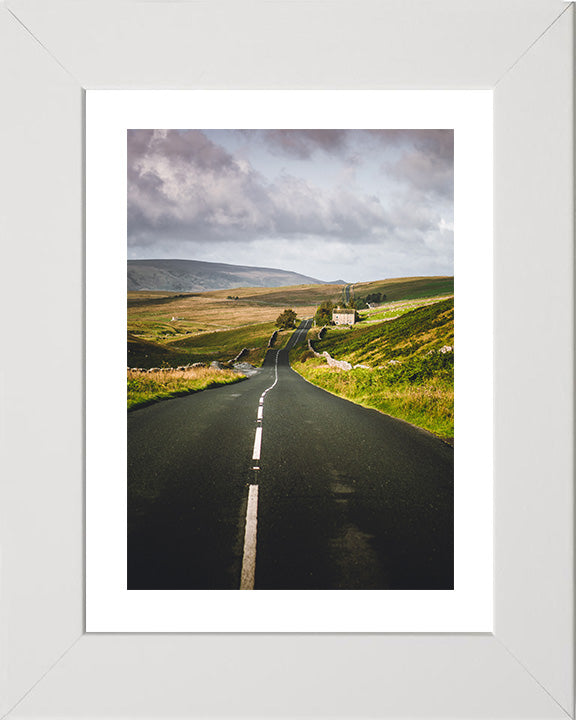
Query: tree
x=286 y=320
x=375 y=297
x=323 y=315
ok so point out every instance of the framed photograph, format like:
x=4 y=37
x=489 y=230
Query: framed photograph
x=77 y=639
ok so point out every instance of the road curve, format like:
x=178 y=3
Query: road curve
x=342 y=498
x=347 y=291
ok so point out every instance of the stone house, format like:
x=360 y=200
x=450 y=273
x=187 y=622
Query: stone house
x=343 y=317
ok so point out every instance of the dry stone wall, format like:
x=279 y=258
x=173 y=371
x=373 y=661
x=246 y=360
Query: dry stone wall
x=341 y=364
x=273 y=338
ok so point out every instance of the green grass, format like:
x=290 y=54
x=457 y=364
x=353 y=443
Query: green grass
x=429 y=404
x=222 y=346
x=165 y=318
x=226 y=344
x=407 y=288
x=409 y=379
x=171 y=329
x=145 y=353
x=391 y=310
x=293 y=296
x=415 y=332
x=145 y=388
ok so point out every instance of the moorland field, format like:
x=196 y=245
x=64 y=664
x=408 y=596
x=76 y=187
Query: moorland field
x=404 y=343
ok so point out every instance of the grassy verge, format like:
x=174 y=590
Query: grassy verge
x=429 y=406
x=420 y=390
x=144 y=388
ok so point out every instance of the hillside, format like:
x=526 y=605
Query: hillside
x=222 y=346
x=197 y=276
x=226 y=344
x=415 y=333
x=407 y=288
x=408 y=366
x=144 y=353
x=165 y=318
x=173 y=328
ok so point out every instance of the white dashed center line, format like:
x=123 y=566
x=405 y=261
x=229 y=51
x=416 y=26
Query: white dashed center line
x=249 y=555
x=257 y=443
x=249 y=558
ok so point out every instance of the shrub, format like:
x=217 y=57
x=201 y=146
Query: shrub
x=286 y=320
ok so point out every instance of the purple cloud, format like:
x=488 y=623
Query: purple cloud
x=303 y=143
x=186 y=185
x=391 y=190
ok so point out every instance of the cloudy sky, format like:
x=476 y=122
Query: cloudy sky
x=354 y=205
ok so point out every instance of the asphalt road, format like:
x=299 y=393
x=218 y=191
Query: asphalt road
x=342 y=497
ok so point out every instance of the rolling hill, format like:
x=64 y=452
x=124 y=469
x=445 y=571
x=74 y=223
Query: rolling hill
x=408 y=288
x=198 y=276
x=172 y=328
x=403 y=366
x=413 y=334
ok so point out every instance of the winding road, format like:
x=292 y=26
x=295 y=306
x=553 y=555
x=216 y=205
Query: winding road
x=347 y=291
x=273 y=483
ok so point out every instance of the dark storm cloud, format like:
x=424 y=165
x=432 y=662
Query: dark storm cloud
x=183 y=186
x=185 y=146
x=303 y=143
x=437 y=142
x=180 y=183
x=425 y=172
x=425 y=162
x=373 y=194
x=422 y=159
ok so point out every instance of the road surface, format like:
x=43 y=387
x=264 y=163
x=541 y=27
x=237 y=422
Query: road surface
x=347 y=291
x=273 y=483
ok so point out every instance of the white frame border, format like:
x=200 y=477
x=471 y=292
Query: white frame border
x=109 y=606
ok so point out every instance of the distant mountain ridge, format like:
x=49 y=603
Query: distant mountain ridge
x=200 y=276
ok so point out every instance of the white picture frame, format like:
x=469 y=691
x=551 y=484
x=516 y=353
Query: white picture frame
x=55 y=50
